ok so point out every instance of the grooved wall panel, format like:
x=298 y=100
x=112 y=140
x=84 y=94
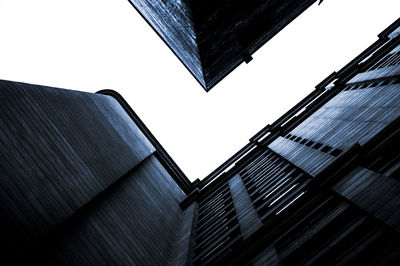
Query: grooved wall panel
x=60 y=149
x=212 y=37
x=217 y=229
x=352 y=116
x=388 y=66
x=172 y=20
x=268 y=257
x=136 y=223
x=377 y=73
x=181 y=254
x=247 y=216
x=309 y=160
x=229 y=30
x=377 y=194
x=395 y=33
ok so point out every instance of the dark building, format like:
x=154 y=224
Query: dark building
x=213 y=37
x=83 y=181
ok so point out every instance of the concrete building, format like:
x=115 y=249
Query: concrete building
x=84 y=182
x=211 y=37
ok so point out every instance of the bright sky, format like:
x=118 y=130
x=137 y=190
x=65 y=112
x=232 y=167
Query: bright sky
x=90 y=45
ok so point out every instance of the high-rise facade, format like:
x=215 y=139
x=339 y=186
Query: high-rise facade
x=83 y=181
x=319 y=185
x=212 y=37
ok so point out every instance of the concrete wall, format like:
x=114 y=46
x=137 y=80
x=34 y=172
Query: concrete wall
x=79 y=180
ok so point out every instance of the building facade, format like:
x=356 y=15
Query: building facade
x=213 y=37
x=84 y=182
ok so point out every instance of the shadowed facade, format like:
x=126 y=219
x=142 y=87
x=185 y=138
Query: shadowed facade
x=213 y=37
x=84 y=182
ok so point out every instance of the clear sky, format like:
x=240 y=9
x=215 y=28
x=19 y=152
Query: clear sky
x=90 y=45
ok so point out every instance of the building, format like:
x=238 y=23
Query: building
x=211 y=38
x=83 y=181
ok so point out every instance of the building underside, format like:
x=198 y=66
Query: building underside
x=84 y=182
x=213 y=37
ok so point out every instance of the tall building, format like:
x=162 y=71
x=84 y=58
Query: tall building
x=213 y=37
x=84 y=182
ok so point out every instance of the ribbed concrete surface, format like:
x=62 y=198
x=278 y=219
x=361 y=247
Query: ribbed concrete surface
x=79 y=184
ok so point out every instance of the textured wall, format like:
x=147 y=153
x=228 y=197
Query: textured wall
x=78 y=176
x=247 y=216
x=228 y=30
x=172 y=21
x=377 y=194
x=385 y=67
x=135 y=223
x=354 y=115
x=212 y=37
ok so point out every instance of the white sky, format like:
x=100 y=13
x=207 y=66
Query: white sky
x=91 y=45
